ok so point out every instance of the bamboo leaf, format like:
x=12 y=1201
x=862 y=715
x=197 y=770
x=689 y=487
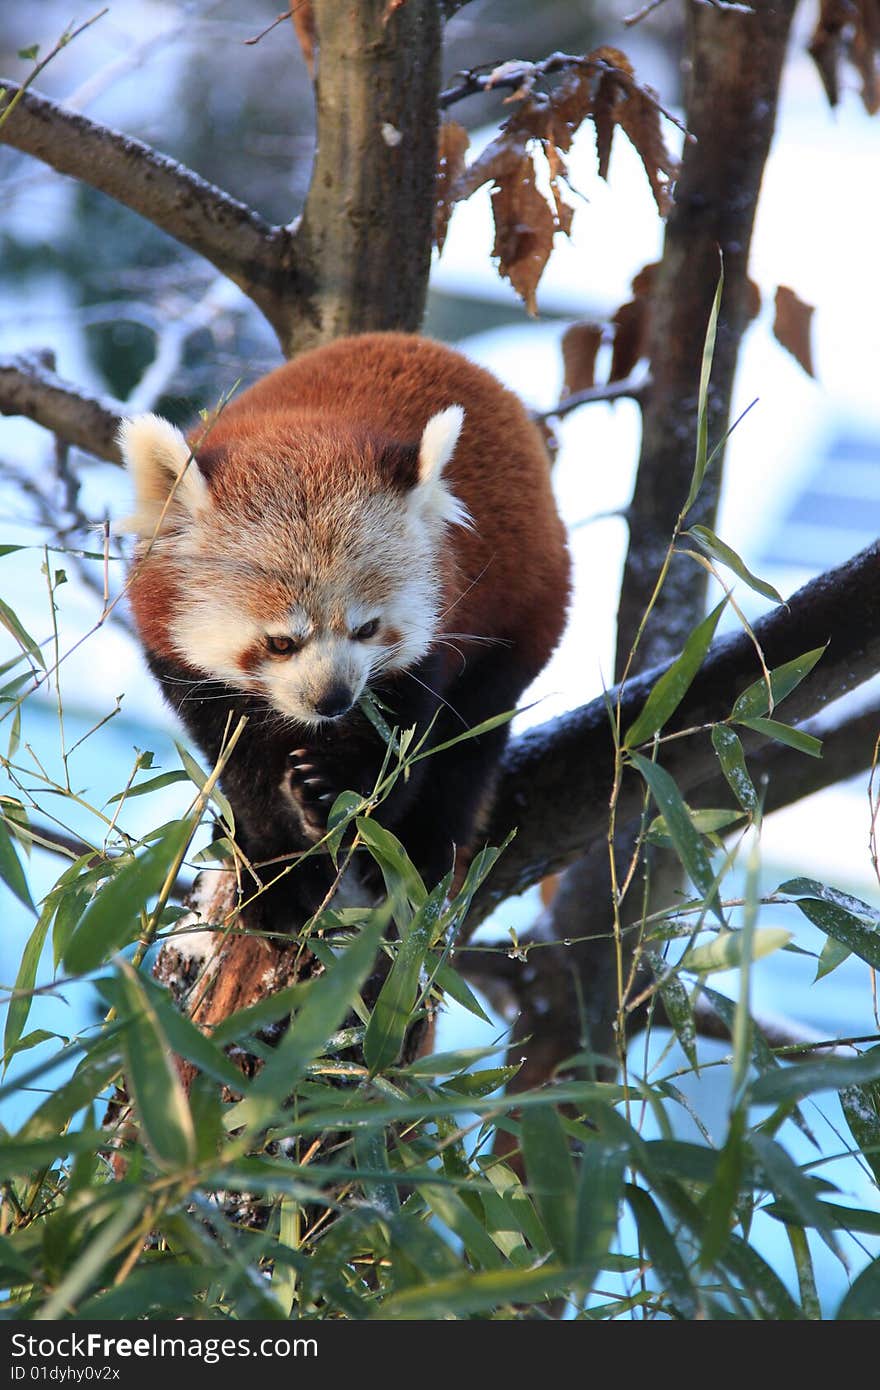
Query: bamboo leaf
x=728 y=950
x=551 y=1176
x=716 y=549
x=862 y=1300
x=845 y=927
x=825 y=1074
x=111 y=920
x=754 y=702
x=670 y=689
x=11 y=871
x=663 y=1251
x=10 y=621
x=152 y=1079
x=393 y=1009
x=700 y=460
x=20 y=1003
x=784 y=733
x=730 y=755
x=861 y=1109
x=688 y=845
x=787 y=1182
x=152 y=784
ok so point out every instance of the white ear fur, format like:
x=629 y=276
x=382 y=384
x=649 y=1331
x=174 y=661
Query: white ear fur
x=159 y=460
x=431 y=495
x=439 y=439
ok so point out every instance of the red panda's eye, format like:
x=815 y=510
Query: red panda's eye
x=283 y=646
x=366 y=630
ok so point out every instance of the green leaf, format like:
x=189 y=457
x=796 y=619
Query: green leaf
x=861 y=1109
x=784 y=733
x=862 y=1300
x=671 y=688
x=397 y=868
x=599 y=1190
x=716 y=549
x=845 y=927
x=706 y=821
x=327 y=1002
x=831 y=956
x=448 y=980
x=112 y=919
x=199 y=778
x=393 y=1009
x=811 y=888
x=726 y=951
x=688 y=845
x=723 y=1194
x=21 y=635
x=152 y=784
x=700 y=460
x=825 y=1074
x=729 y=751
x=551 y=1178
x=664 y=1253
x=184 y=1039
x=11 y=871
x=93 y=1258
x=677 y=1004
x=152 y=1078
x=754 y=701
x=481 y=1083
x=21 y=1157
x=20 y=1003
x=787 y=1182
x=457 y=1216
x=463 y=1294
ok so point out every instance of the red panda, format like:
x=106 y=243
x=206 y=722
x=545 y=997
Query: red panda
x=375 y=514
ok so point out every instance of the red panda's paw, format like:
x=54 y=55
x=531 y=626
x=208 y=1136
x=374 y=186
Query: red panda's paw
x=308 y=783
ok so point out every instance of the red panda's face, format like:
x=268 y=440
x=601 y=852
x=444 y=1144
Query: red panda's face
x=298 y=577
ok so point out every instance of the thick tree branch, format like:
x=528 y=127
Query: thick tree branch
x=840 y=608
x=29 y=387
x=255 y=255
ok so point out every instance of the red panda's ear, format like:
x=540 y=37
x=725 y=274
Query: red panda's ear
x=431 y=495
x=439 y=439
x=167 y=480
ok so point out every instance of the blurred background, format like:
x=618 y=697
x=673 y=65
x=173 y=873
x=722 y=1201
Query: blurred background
x=130 y=313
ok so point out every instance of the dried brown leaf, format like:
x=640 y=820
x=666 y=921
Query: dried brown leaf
x=303 y=17
x=848 y=29
x=792 y=325
x=632 y=326
x=524 y=228
x=614 y=70
x=569 y=105
x=580 y=343
x=453 y=141
x=753 y=300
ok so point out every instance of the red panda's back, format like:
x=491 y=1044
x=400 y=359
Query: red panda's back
x=512 y=568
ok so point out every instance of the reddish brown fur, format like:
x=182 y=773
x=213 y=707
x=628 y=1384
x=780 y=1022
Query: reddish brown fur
x=511 y=575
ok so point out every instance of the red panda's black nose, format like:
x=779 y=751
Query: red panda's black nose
x=335 y=701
